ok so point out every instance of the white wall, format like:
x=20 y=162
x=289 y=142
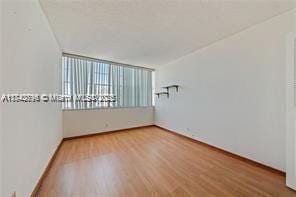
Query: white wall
x=291 y=109
x=82 y=122
x=1 y=125
x=31 y=63
x=291 y=114
x=232 y=93
x=1 y=130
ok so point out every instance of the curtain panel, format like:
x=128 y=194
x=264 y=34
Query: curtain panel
x=130 y=86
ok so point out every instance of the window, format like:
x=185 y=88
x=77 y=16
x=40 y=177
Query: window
x=131 y=86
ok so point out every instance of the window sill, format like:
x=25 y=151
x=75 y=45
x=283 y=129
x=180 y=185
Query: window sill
x=104 y=108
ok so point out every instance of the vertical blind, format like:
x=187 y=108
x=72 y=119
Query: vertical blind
x=130 y=86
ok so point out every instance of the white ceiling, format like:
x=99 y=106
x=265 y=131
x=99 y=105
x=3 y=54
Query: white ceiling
x=151 y=33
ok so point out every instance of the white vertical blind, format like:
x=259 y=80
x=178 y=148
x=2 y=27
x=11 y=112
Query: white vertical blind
x=131 y=86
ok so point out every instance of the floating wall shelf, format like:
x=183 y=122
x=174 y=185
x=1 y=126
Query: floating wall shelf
x=167 y=90
x=160 y=93
x=171 y=86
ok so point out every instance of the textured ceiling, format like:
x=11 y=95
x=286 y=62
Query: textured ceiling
x=151 y=33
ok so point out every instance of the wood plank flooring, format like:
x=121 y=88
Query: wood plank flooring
x=153 y=162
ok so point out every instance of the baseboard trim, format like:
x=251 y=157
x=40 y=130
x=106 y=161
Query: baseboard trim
x=230 y=154
x=44 y=174
x=106 y=132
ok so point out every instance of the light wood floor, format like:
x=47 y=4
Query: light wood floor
x=153 y=162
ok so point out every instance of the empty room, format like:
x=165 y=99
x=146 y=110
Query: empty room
x=133 y=98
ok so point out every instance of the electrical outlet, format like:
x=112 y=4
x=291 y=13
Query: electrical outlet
x=106 y=125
